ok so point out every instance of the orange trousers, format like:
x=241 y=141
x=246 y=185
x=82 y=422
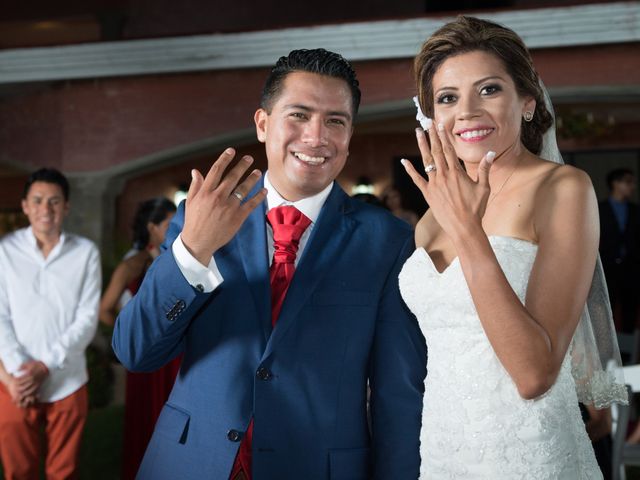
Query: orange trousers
x=21 y=442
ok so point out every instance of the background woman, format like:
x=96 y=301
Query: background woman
x=146 y=393
x=392 y=199
x=505 y=260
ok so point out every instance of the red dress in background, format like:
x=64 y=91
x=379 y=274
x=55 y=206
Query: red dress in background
x=146 y=394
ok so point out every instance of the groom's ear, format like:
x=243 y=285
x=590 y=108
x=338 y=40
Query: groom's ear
x=260 y=119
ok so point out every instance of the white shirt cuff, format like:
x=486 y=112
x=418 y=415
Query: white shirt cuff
x=13 y=361
x=204 y=279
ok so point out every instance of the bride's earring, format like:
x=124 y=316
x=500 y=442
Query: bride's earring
x=528 y=116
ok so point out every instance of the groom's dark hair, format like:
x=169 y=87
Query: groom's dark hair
x=318 y=60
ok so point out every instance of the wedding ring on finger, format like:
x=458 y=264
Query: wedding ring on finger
x=430 y=168
x=238 y=195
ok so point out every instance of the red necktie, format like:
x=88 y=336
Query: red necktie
x=288 y=224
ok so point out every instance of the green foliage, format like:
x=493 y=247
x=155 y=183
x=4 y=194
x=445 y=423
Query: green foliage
x=582 y=126
x=101 y=451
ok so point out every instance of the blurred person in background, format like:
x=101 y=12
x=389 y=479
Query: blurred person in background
x=50 y=284
x=146 y=393
x=620 y=247
x=392 y=201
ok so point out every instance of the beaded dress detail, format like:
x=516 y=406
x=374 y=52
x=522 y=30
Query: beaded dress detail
x=474 y=423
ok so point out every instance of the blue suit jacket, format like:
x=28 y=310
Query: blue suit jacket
x=342 y=324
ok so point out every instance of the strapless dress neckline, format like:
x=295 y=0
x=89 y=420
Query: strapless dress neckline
x=474 y=423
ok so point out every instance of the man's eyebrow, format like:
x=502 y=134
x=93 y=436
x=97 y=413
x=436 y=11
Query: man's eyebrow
x=40 y=196
x=339 y=113
x=332 y=113
x=299 y=106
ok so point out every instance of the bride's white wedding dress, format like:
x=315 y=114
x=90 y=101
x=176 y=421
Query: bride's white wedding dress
x=474 y=423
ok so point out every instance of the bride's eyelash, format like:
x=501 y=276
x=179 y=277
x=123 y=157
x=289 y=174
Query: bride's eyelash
x=493 y=87
x=485 y=90
x=446 y=98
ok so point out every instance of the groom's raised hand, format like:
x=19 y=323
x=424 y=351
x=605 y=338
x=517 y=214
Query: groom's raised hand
x=216 y=207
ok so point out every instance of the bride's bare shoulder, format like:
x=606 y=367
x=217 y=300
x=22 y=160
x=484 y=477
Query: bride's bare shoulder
x=563 y=180
x=566 y=196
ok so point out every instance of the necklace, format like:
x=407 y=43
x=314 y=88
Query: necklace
x=515 y=167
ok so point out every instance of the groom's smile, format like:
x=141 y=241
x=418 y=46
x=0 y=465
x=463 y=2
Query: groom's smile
x=306 y=133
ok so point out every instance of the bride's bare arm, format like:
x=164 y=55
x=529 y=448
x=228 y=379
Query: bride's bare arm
x=531 y=340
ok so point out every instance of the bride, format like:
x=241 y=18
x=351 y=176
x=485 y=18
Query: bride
x=505 y=262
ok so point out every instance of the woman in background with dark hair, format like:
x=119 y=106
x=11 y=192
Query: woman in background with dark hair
x=146 y=393
x=392 y=200
x=149 y=227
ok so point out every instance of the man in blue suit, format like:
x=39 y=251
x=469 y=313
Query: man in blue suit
x=284 y=397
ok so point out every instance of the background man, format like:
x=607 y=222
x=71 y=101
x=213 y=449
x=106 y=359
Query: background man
x=620 y=247
x=49 y=295
x=275 y=387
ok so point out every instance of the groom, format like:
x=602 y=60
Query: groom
x=282 y=293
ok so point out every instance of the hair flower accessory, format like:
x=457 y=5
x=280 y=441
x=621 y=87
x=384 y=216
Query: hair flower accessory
x=425 y=122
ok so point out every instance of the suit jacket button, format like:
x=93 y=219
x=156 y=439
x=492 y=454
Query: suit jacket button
x=234 y=435
x=264 y=374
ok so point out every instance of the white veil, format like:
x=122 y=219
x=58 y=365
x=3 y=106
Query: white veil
x=595 y=357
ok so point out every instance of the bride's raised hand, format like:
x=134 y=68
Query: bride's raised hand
x=454 y=197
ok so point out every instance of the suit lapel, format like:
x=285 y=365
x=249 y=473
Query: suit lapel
x=252 y=242
x=330 y=233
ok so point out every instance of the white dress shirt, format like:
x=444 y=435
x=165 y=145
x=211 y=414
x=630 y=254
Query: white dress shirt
x=49 y=308
x=209 y=278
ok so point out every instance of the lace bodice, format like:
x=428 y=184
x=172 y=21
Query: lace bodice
x=475 y=424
